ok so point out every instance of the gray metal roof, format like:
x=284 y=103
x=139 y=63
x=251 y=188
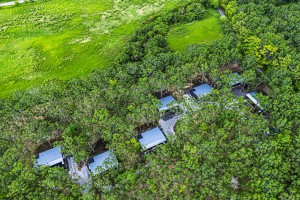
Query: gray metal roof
x=50 y=157
x=104 y=160
x=202 y=90
x=165 y=101
x=236 y=79
x=151 y=138
x=252 y=97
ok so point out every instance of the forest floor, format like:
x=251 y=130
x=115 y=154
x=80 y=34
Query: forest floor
x=199 y=32
x=66 y=39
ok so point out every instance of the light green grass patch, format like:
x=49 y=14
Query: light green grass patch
x=66 y=39
x=200 y=32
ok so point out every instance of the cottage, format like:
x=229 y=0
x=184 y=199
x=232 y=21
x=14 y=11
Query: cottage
x=151 y=138
x=271 y=131
x=200 y=91
x=169 y=108
x=195 y=93
x=237 y=84
x=102 y=162
x=51 y=157
x=253 y=102
x=165 y=103
x=236 y=79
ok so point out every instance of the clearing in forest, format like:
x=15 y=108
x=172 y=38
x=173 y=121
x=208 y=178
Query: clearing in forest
x=66 y=39
x=199 y=32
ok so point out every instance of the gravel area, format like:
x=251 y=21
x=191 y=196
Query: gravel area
x=167 y=124
x=81 y=176
x=238 y=92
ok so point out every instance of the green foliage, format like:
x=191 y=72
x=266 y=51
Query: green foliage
x=201 y=32
x=213 y=145
x=213 y=3
x=65 y=39
x=44 y=183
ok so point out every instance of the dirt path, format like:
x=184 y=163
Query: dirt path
x=82 y=176
x=221 y=12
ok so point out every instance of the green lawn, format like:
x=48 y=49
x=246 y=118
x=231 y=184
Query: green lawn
x=65 y=39
x=205 y=31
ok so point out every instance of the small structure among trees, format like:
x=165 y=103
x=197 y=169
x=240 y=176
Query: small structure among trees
x=234 y=183
x=165 y=102
x=236 y=79
x=199 y=91
x=253 y=102
x=51 y=157
x=151 y=138
x=102 y=162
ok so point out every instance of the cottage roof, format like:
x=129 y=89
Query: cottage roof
x=165 y=101
x=50 y=157
x=252 y=97
x=235 y=79
x=104 y=160
x=151 y=138
x=201 y=90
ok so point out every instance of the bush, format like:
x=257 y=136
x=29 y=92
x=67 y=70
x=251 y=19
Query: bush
x=223 y=18
x=17 y=3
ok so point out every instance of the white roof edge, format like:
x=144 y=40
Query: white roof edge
x=252 y=99
x=152 y=144
x=54 y=162
x=163 y=108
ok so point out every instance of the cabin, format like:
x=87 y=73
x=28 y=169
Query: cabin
x=168 y=108
x=151 y=138
x=165 y=103
x=199 y=91
x=196 y=93
x=51 y=157
x=102 y=162
x=237 y=84
x=253 y=102
x=236 y=80
x=271 y=131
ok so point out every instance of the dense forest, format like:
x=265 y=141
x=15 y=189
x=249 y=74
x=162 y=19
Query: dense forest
x=212 y=145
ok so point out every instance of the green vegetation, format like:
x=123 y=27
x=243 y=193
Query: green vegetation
x=65 y=39
x=220 y=151
x=199 y=32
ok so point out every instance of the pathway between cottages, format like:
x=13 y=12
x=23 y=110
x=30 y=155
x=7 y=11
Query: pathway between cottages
x=167 y=124
x=82 y=176
x=221 y=12
x=11 y=3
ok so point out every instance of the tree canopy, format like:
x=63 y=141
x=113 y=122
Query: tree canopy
x=217 y=152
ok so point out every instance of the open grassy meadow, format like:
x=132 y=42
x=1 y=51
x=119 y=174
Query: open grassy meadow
x=65 y=39
x=205 y=31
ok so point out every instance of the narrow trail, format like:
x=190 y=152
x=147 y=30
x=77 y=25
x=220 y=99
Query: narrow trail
x=221 y=12
x=81 y=176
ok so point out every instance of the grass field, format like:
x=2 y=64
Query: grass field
x=205 y=31
x=65 y=39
